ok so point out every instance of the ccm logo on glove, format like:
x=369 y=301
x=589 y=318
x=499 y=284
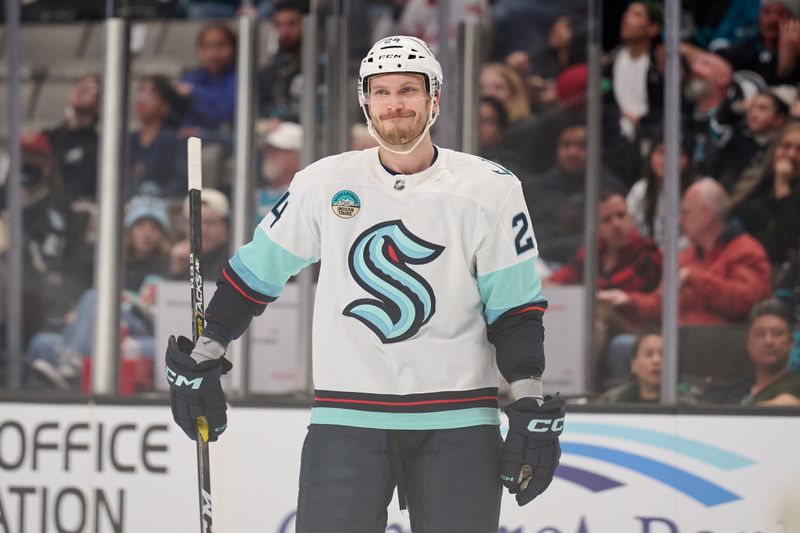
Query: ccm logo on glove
x=541 y=425
x=531 y=450
x=195 y=389
x=181 y=381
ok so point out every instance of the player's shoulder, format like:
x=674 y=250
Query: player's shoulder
x=475 y=168
x=330 y=169
x=488 y=182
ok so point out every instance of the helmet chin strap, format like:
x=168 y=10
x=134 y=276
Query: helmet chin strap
x=377 y=137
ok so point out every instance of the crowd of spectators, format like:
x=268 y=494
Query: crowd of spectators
x=739 y=163
x=59 y=188
x=739 y=173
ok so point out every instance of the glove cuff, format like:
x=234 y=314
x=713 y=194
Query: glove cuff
x=207 y=349
x=528 y=388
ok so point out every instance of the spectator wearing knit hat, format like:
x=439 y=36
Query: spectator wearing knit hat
x=774 y=52
x=146 y=244
x=55 y=359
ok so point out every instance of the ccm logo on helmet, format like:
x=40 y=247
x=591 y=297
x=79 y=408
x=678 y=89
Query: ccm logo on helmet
x=540 y=425
x=390 y=56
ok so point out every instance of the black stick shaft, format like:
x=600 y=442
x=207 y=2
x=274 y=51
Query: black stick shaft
x=198 y=320
x=195 y=261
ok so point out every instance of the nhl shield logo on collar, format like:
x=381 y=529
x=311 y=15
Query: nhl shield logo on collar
x=345 y=204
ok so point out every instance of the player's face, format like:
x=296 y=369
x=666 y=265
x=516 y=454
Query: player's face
x=399 y=106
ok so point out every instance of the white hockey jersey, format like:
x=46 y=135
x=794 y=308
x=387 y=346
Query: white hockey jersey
x=413 y=270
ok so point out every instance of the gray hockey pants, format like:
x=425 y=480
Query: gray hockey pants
x=348 y=475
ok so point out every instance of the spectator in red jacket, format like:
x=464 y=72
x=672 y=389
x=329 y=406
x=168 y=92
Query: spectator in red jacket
x=626 y=261
x=723 y=273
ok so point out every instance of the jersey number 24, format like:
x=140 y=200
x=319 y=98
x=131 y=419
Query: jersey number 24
x=523 y=241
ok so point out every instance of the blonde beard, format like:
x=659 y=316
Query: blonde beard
x=400 y=137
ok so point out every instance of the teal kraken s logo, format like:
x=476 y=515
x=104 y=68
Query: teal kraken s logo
x=379 y=262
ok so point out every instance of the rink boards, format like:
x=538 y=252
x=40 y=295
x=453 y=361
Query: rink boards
x=111 y=468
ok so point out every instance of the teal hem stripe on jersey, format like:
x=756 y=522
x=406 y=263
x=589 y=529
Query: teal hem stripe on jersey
x=461 y=418
x=510 y=287
x=265 y=265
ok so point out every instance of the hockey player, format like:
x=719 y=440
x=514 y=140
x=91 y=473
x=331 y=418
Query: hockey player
x=427 y=286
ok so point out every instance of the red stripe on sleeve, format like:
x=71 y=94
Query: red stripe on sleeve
x=532 y=308
x=239 y=290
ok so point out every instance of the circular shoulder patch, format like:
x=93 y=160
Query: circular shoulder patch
x=345 y=204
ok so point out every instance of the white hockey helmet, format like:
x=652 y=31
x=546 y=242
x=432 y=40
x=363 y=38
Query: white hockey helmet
x=400 y=53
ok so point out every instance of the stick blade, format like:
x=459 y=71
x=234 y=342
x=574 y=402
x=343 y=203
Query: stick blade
x=194 y=162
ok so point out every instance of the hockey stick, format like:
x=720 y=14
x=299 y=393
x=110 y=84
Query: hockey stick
x=194 y=148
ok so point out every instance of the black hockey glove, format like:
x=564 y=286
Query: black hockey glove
x=531 y=450
x=195 y=389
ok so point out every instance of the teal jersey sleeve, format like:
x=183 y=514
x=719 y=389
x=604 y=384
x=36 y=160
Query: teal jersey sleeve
x=285 y=242
x=506 y=258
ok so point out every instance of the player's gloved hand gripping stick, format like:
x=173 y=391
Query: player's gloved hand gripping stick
x=531 y=450
x=194 y=367
x=196 y=395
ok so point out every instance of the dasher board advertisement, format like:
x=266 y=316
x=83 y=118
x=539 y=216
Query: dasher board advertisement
x=129 y=469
